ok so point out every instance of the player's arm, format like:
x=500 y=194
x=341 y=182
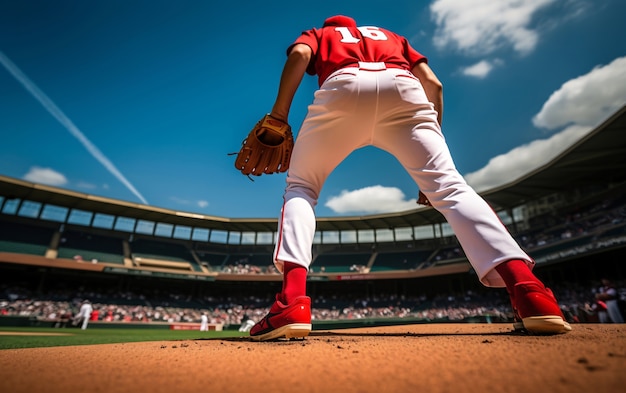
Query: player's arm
x=432 y=86
x=606 y=296
x=292 y=74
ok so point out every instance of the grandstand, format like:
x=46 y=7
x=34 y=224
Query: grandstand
x=572 y=208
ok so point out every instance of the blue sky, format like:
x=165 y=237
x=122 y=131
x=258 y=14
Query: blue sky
x=142 y=100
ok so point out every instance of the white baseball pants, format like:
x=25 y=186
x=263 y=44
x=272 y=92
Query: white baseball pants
x=388 y=109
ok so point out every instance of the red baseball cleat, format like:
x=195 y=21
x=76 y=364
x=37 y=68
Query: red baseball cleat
x=536 y=309
x=284 y=320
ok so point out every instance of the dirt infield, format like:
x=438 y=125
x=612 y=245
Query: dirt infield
x=427 y=358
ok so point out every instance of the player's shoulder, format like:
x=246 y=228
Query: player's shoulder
x=391 y=32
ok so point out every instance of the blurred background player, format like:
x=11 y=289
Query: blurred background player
x=376 y=90
x=246 y=324
x=609 y=297
x=204 y=322
x=84 y=314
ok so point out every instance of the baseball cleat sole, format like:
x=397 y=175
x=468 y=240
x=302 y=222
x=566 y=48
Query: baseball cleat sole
x=294 y=330
x=545 y=324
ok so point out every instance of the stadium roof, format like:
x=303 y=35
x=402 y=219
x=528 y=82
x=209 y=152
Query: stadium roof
x=597 y=158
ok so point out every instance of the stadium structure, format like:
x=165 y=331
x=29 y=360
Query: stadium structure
x=569 y=214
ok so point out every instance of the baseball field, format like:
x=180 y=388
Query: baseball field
x=412 y=358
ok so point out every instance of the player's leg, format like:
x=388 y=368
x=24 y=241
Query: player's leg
x=408 y=129
x=614 y=312
x=482 y=235
x=495 y=255
x=329 y=133
x=338 y=122
x=420 y=147
x=333 y=128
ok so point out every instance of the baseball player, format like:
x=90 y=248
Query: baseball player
x=204 y=322
x=610 y=297
x=246 y=324
x=377 y=90
x=84 y=313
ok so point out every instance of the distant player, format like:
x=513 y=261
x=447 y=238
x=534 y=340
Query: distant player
x=376 y=90
x=84 y=314
x=204 y=322
x=609 y=296
x=246 y=324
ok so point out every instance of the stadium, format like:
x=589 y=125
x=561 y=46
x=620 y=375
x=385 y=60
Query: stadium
x=568 y=214
x=147 y=266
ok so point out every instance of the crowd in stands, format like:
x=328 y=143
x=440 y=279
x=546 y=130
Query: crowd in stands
x=577 y=302
x=246 y=268
x=602 y=216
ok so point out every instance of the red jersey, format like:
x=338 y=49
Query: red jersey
x=335 y=47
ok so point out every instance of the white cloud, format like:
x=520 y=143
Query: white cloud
x=371 y=200
x=481 y=69
x=523 y=159
x=482 y=26
x=187 y=202
x=45 y=176
x=180 y=201
x=586 y=100
x=580 y=104
x=87 y=186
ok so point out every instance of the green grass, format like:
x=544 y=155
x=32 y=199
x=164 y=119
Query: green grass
x=92 y=336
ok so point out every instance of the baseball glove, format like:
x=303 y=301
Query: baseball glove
x=266 y=149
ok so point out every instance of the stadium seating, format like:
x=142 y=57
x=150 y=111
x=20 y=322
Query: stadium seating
x=90 y=247
x=24 y=238
x=243 y=263
x=400 y=260
x=147 y=252
x=341 y=262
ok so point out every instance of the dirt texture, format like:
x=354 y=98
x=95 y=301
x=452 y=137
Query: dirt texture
x=427 y=358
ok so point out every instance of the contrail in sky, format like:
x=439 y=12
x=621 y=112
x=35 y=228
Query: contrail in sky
x=66 y=122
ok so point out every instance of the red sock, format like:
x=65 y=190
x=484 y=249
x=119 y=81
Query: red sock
x=515 y=271
x=294 y=281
